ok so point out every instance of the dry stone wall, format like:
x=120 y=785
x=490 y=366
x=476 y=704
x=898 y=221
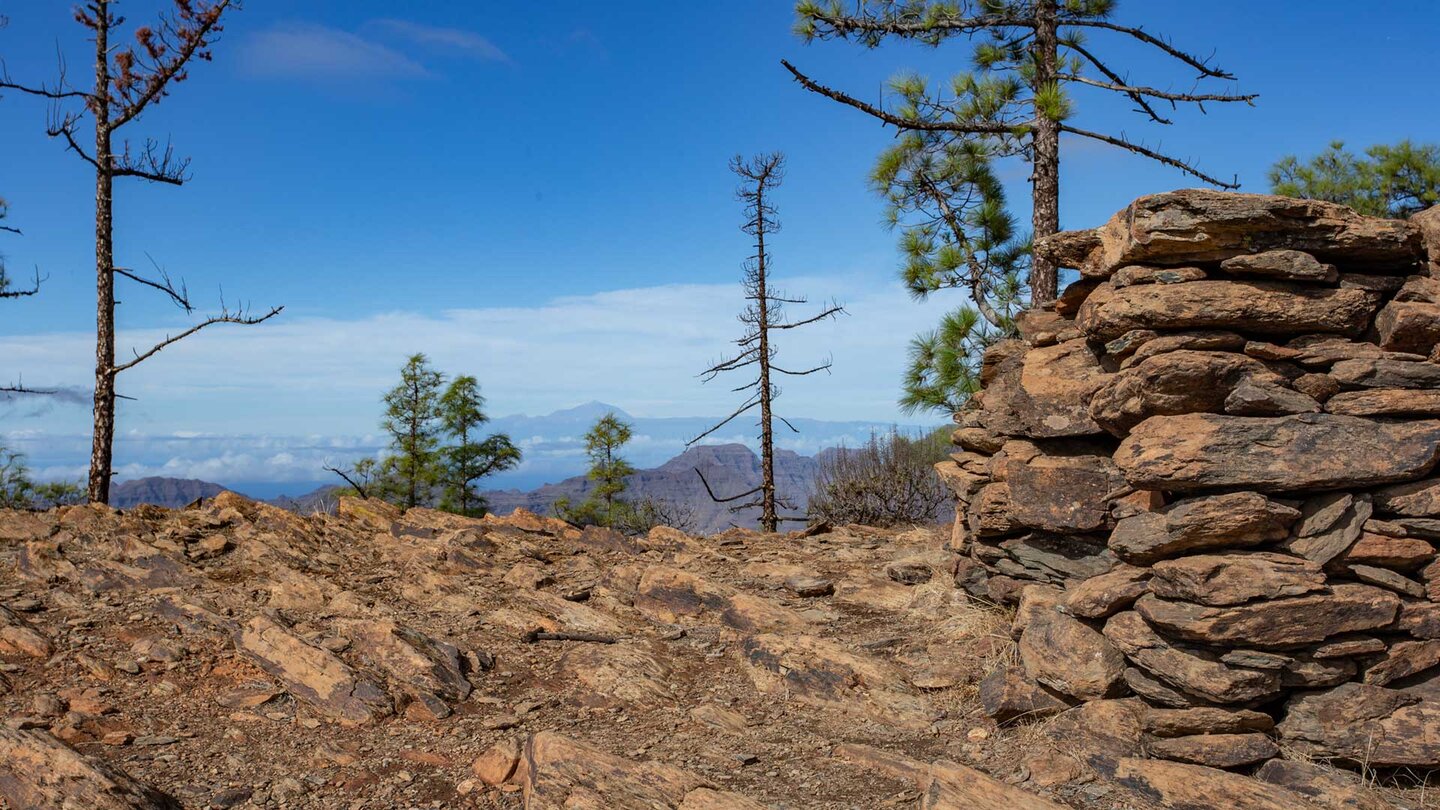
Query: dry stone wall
x=1207 y=477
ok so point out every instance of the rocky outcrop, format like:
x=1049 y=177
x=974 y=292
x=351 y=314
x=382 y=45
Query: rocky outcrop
x=1251 y=428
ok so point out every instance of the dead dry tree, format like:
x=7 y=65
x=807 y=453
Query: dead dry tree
x=763 y=315
x=129 y=79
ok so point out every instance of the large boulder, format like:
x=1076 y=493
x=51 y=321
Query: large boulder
x=1364 y=724
x=1275 y=454
x=1260 y=307
x=1045 y=392
x=1193 y=225
x=1281 y=623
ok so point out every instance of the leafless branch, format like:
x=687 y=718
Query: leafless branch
x=356 y=485
x=718 y=499
x=224 y=317
x=1159 y=157
x=967 y=127
x=1202 y=65
x=830 y=312
x=743 y=408
x=34 y=288
x=844 y=25
x=162 y=71
x=155 y=165
x=166 y=285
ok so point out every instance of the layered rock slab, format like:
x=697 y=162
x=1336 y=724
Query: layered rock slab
x=1195 y=452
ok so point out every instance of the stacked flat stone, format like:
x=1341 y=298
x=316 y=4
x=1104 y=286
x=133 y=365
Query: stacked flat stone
x=1207 y=477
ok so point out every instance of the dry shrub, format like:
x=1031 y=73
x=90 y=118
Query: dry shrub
x=888 y=481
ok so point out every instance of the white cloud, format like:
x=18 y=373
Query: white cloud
x=317 y=52
x=270 y=402
x=439 y=38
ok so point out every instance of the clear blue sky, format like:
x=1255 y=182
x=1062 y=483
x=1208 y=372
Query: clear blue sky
x=515 y=187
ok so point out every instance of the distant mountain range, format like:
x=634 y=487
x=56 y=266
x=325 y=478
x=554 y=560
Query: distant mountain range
x=729 y=468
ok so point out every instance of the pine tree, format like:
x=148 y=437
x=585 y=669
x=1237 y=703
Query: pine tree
x=1028 y=55
x=412 y=411
x=603 y=505
x=1390 y=181
x=956 y=231
x=467 y=460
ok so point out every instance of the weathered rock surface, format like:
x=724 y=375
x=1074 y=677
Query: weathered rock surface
x=1215 y=750
x=1363 y=723
x=1195 y=225
x=1177 y=382
x=38 y=771
x=1278 y=623
x=1191 y=669
x=1329 y=525
x=1411 y=321
x=1063 y=493
x=1070 y=657
x=1262 y=307
x=1415 y=499
x=1326 y=787
x=1275 y=454
x=1191 y=787
x=1006 y=694
x=1292 y=265
x=311 y=673
x=1231 y=520
x=952 y=786
x=1045 y=393
x=1106 y=594
x=1386 y=402
x=1233 y=579
x=1386 y=373
x=1205 y=720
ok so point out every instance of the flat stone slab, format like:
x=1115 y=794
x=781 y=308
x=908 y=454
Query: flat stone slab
x=1260 y=307
x=1279 y=623
x=1275 y=454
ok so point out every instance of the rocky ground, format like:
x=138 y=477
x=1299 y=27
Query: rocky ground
x=237 y=655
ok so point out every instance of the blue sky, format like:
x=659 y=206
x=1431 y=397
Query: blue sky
x=537 y=194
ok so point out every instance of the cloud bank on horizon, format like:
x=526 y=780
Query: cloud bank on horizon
x=274 y=402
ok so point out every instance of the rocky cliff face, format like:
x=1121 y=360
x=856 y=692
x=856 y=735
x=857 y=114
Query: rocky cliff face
x=1206 y=478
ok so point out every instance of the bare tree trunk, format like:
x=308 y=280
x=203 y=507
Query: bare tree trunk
x=769 y=518
x=102 y=448
x=1044 y=278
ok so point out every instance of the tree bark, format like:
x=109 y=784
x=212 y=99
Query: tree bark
x=102 y=447
x=769 y=519
x=1045 y=144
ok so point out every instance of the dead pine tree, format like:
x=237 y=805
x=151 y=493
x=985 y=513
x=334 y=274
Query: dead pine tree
x=763 y=315
x=129 y=79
